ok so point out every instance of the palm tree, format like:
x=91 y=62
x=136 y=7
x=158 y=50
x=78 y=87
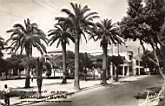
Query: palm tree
x=62 y=35
x=24 y=38
x=107 y=33
x=79 y=20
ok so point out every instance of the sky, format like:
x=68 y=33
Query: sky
x=43 y=12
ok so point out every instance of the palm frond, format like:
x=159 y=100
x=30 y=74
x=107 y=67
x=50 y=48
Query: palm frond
x=68 y=12
x=22 y=47
x=39 y=48
x=85 y=9
x=53 y=32
x=11 y=30
x=16 y=47
x=53 y=39
x=43 y=47
x=99 y=25
x=71 y=38
x=84 y=37
x=34 y=25
x=41 y=35
x=50 y=31
x=19 y=26
x=61 y=18
x=75 y=7
x=90 y=15
x=58 y=42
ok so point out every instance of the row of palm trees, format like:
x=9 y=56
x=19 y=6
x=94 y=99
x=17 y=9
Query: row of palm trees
x=77 y=23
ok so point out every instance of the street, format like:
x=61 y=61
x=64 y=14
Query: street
x=122 y=94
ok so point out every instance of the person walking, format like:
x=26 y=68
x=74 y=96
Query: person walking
x=6 y=95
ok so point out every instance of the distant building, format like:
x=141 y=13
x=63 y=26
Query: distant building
x=132 y=65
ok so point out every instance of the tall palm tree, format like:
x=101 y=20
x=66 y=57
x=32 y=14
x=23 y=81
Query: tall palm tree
x=24 y=38
x=79 y=21
x=62 y=35
x=107 y=33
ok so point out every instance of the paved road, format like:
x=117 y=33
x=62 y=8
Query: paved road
x=111 y=95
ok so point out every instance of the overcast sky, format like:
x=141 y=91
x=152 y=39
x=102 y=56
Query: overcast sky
x=44 y=11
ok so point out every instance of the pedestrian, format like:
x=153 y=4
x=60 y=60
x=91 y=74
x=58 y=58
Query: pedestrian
x=6 y=95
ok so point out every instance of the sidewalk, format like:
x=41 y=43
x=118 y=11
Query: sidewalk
x=54 y=85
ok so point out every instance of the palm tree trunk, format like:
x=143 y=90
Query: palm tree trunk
x=19 y=73
x=158 y=62
x=6 y=74
x=76 y=74
x=104 y=68
x=64 y=81
x=29 y=54
x=117 y=72
x=161 y=70
x=27 y=80
x=117 y=67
